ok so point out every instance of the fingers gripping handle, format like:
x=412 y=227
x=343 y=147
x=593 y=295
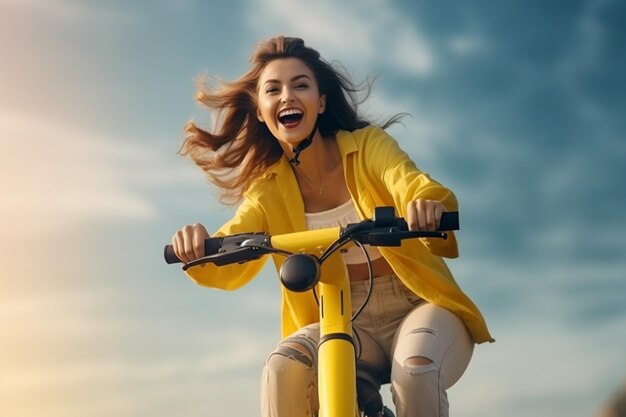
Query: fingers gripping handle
x=211 y=246
x=386 y=216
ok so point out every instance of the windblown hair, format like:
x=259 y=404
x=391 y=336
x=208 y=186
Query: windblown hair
x=242 y=148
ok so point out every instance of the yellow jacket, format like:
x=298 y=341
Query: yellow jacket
x=377 y=173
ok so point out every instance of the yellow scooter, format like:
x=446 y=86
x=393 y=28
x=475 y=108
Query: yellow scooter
x=313 y=264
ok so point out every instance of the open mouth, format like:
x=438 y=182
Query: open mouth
x=290 y=117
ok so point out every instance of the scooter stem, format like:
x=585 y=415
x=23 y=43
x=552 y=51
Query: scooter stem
x=337 y=390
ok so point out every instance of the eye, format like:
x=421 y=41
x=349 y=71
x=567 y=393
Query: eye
x=302 y=86
x=271 y=90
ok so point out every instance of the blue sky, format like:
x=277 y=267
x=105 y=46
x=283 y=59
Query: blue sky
x=517 y=106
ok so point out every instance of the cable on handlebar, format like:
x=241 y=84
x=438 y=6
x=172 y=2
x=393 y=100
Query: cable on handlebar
x=347 y=235
x=371 y=280
x=345 y=239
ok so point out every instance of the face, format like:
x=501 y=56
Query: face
x=289 y=100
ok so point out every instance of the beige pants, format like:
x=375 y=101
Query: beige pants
x=421 y=349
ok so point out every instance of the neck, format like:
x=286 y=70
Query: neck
x=317 y=163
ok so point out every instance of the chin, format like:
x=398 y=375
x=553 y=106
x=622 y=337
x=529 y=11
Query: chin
x=292 y=139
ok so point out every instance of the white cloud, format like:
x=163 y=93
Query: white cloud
x=77 y=355
x=466 y=44
x=346 y=31
x=532 y=368
x=550 y=357
x=419 y=133
x=586 y=57
x=55 y=174
x=71 y=11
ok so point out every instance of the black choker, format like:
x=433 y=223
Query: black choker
x=304 y=144
x=296 y=152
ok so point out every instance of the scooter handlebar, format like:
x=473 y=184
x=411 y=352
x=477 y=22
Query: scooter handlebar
x=449 y=221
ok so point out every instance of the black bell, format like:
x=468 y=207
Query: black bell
x=300 y=272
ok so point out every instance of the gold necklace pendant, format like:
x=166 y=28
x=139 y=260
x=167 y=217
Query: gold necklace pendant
x=312 y=184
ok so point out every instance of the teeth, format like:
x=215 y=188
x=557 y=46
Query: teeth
x=287 y=112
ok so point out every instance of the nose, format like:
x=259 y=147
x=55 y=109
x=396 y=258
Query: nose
x=286 y=95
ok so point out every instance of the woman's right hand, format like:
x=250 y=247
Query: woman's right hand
x=188 y=242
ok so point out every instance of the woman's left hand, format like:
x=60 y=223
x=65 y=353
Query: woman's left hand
x=424 y=214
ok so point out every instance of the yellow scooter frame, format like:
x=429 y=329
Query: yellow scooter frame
x=336 y=354
x=315 y=253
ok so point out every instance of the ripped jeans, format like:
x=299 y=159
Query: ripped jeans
x=420 y=348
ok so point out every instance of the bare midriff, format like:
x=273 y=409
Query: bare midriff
x=359 y=272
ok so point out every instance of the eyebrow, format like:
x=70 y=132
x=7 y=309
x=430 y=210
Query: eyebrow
x=296 y=78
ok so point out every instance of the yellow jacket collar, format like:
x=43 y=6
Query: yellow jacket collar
x=345 y=141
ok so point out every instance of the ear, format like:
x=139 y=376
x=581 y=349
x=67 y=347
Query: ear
x=322 y=103
x=258 y=116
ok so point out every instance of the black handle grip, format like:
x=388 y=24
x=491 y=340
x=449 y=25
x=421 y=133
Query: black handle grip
x=449 y=221
x=169 y=255
x=211 y=246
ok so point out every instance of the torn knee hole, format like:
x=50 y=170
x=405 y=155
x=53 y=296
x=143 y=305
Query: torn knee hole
x=296 y=352
x=418 y=361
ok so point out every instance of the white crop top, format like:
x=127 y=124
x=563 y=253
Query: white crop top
x=342 y=216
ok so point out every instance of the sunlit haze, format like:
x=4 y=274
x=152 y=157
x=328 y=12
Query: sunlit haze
x=516 y=106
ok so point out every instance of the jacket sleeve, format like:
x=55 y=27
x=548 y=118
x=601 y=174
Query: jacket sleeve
x=247 y=219
x=405 y=182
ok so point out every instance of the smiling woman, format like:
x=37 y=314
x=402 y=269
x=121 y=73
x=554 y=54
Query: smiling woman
x=296 y=151
x=252 y=145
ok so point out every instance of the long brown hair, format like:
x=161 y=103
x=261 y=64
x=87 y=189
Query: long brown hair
x=242 y=148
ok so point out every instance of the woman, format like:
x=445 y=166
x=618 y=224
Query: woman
x=293 y=148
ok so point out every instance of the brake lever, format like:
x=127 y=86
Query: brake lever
x=239 y=248
x=239 y=256
x=387 y=230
